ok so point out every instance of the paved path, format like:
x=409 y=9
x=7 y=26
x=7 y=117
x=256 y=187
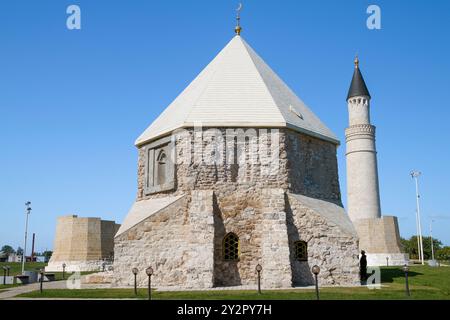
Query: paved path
x=62 y=284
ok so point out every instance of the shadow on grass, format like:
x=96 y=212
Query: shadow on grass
x=389 y=275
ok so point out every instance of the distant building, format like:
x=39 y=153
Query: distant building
x=3 y=256
x=14 y=257
x=82 y=244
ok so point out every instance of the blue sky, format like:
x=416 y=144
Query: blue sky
x=72 y=102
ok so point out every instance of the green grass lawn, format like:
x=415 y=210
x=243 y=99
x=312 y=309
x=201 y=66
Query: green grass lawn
x=16 y=269
x=425 y=283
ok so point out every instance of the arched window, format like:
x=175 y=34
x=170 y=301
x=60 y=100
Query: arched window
x=301 y=250
x=161 y=167
x=231 y=247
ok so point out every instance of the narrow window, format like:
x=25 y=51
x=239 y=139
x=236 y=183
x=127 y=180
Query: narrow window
x=301 y=250
x=161 y=168
x=231 y=247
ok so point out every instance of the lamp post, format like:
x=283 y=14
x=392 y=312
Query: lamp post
x=415 y=175
x=4 y=275
x=406 y=269
x=316 y=271
x=41 y=280
x=431 y=239
x=258 y=270
x=64 y=271
x=135 y=272
x=149 y=272
x=28 y=203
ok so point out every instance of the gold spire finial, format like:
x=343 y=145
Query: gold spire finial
x=356 y=61
x=238 y=28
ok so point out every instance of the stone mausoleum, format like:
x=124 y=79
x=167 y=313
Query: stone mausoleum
x=82 y=244
x=237 y=171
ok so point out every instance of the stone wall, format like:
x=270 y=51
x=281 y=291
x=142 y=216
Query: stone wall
x=306 y=165
x=160 y=241
x=380 y=238
x=184 y=242
x=332 y=243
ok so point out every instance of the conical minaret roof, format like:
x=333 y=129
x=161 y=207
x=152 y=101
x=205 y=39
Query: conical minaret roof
x=237 y=89
x=358 y=86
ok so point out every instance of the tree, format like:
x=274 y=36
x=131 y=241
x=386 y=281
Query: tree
x=19 y=251
x=443 y=253
x=47 y=254
x=410 y=246
x=7 y=250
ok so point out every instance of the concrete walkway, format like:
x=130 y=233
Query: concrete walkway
x=12 y=292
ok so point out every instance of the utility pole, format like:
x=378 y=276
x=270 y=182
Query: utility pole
x=24 y=257
x=415 y=175
x=431 y=239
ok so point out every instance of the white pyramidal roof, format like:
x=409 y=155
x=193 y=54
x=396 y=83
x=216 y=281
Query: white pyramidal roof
x=237 y=89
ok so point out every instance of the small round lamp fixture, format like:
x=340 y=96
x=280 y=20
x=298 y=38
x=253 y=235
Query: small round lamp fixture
x=258 y=267
x=405 y=268
x=135 y=271
x=149 y=271
x=315 y=269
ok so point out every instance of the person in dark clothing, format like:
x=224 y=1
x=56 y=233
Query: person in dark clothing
x=363 y=266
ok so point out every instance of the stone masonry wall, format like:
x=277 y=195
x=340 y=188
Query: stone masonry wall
x=306 y=165
x=160 y=241
x=334 y=250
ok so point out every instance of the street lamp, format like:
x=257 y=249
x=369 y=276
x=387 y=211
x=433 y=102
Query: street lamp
x=135 y=272
x=406 y=269
x=431 y=239
x=28 y=211
x=41 y=280
x=258 y=270
x=316 y=270
x=415 y=175
x=64 y=271
x=149 y=272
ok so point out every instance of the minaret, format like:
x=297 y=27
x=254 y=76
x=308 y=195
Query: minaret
x=363 y=194
x=378 y=235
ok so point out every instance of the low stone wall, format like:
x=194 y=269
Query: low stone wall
x=74 y=266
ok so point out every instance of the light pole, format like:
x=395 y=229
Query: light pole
x=28 y=203
x=316 y=271
x=431 y=239
x=258 y=270
x=149 y=272
x=415 y=175
x=4 y=275
x=406 y=269
x=387 y=261
x=41 y=272
x=135 y=272
x=64 y=271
